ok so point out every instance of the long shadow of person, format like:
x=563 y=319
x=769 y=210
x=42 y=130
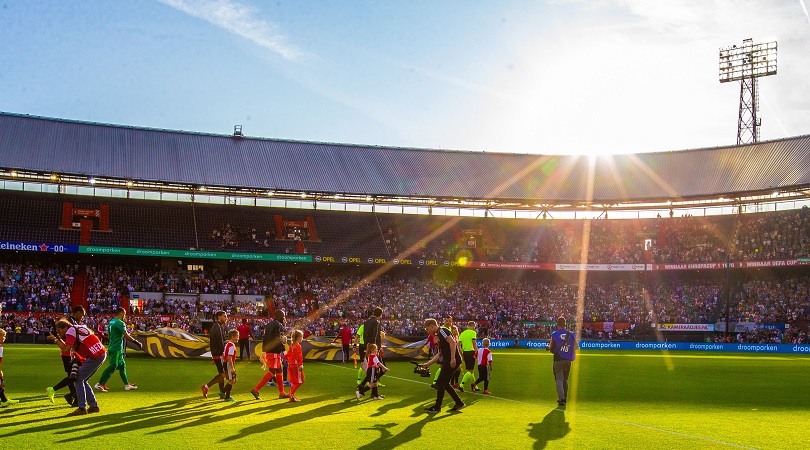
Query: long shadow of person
x=388 y=440
x=552 y=427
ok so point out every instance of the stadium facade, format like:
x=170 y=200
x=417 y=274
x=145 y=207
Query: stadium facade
x=84 y=175
x=79 y=153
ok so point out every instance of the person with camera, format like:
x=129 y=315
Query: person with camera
x=88 y=355
x=450 y=357
x=75 y=318
x=563 y=345
x=117 y=330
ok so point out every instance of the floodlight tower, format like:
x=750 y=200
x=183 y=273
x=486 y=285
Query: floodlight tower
x=745 y=64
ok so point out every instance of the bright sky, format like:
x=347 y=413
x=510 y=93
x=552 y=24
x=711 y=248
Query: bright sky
x=555 y=76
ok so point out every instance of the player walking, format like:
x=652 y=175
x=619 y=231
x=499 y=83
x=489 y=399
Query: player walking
x=117 y=330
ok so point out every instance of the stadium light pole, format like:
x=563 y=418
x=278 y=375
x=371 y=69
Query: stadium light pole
x=746 y=63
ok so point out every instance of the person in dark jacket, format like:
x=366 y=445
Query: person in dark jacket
x=450 y=358
x=273 y=349
x=216 y=336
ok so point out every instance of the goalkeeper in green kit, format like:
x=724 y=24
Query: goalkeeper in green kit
x=117 y=331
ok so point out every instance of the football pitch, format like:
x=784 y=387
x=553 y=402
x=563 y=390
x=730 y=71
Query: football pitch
x=647 y=400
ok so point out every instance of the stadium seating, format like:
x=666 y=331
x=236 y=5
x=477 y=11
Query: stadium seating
x=30 y=217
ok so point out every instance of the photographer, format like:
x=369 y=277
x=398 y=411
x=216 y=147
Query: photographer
x=75 y=318
x=450 y=357
x=87 y=348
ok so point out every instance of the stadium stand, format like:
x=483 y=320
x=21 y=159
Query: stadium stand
x=177 y=225
x=508 y=303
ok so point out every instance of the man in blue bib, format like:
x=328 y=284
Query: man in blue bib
x=563 y=345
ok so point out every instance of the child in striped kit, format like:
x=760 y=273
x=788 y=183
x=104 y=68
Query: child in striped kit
x=484 y=358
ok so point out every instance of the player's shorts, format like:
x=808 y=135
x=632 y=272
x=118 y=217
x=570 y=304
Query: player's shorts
x=228 y=376
x=483 y=369
x=273 y=360
x=378 y=373
x=115 y=359
x=295 y=376
x=469 y=360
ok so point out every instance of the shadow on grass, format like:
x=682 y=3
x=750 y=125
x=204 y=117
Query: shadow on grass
x=388 y=406
x=26 y=407
x=552 y=427
x=154 y=417
x=292 y=419
x=388 y=440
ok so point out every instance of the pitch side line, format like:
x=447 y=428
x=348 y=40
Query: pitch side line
x=589 y=416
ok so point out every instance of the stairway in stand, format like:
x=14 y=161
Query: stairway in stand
x=78 y=294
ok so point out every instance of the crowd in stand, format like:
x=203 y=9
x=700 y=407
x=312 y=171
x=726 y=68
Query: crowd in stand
x=229 y=236
x=505 y=308
x=319 y=302
x=689 y=239
x=27 y=287
x=774 y=236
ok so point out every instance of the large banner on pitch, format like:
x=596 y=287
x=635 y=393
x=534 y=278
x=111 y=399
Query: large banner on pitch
x=176 y=343
x=170 y=343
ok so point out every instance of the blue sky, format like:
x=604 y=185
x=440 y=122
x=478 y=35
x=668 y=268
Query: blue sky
x=556 y=76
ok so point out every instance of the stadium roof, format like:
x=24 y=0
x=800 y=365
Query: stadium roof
x=57 y=146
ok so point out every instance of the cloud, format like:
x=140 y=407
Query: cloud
x=240 y=20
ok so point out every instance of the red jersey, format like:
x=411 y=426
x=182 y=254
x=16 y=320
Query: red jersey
x=431 y=341
x=89 y=344
x=484 y=356
x=229 y=353
x=295 y=357
x=373 y=361
x=244 y=331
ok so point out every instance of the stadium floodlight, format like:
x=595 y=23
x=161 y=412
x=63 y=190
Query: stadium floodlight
x=746 y=63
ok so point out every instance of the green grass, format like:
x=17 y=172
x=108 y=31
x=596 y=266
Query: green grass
x=647 y=400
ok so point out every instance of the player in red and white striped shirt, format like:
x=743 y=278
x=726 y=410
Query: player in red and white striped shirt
x=229 y=362
x=484 y=358
x=373 y=373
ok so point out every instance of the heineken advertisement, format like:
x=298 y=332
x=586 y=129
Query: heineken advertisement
x=126 y=251
x=38 y=247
